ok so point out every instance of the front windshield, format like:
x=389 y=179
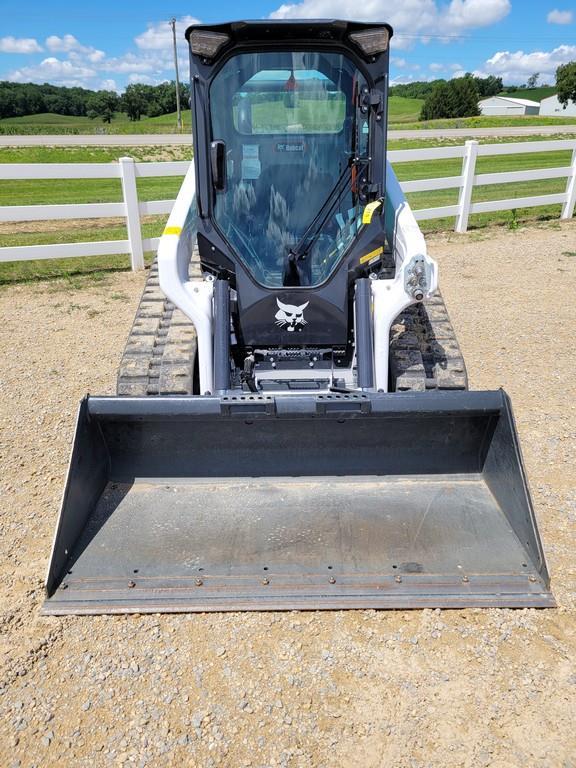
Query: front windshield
x=292 y=127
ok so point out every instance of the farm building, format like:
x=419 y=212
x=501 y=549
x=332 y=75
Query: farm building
x=551 y=106
x=506 y=105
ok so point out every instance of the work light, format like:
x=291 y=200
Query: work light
x=372 y=41
x=206 y=43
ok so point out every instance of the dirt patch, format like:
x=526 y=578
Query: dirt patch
x=415 y=689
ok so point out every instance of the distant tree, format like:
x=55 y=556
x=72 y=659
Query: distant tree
x=434 y=106
x=455 y=98
x=533 y=80
x=566 y=83
x=487 y=86
x=463 y=97
x=19 y=99
x=135 y=101
x=416 y=90
x=103 y=104
x=7 y=102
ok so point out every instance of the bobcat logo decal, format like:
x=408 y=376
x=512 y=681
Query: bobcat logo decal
x=291 y=317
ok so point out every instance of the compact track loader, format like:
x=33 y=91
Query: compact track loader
x=293 y=427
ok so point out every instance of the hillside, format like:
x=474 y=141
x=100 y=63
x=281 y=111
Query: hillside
x=402 y=110
x=534 y=94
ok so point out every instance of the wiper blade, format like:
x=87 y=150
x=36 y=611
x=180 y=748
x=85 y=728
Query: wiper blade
x=315 y=227
x=292 y=269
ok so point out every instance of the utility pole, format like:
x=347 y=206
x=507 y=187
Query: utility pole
x=178 y=110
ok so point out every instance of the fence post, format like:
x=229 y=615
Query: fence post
x=130 y=192
x=465 y=197
x=568 y=207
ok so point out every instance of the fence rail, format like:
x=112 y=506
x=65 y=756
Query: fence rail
x=132 y=209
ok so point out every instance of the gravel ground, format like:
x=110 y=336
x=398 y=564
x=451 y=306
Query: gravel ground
x=359 y=688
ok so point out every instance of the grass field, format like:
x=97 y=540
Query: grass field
x=484 y=121
x=403 y=113
x=401 y=110
x=31 y=192
x=534 y=94
x=65 y=124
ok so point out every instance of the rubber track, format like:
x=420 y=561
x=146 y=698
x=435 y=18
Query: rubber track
x=160 y=351
x=159 y=355
x=424 y=351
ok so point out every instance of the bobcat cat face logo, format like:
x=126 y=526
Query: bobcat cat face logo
x=291 y=317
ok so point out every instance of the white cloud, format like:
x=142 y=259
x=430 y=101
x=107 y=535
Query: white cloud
x=158 y=35
x=63 y=44
x=74 y=48
x=462 y=15
x=93 y=56
x=131 y=63
x=411 y=19
x=517 y=66
x=144 y=79
x=400 y=79
x=434 y=67
x=19 y=45
x=560 y=17
x=108 y=85
x=52 y=70
x=402 y=63
x=74 y=63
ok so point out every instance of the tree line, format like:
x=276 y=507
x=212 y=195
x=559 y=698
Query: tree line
x=485 y=86
x=459 y=97
x=138 y=100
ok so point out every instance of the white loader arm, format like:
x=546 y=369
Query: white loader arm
x=416 y=275
x=193 y=297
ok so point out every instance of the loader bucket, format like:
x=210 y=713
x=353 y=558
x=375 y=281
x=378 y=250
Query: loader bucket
x=303 y=502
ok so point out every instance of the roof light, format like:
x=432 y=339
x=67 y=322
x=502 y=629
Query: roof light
x=372 y=41
x=203 y=42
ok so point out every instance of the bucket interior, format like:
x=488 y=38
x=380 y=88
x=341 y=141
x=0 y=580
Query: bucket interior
x=384 y=509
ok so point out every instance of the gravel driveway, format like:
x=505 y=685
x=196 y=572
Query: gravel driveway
x=359 y=688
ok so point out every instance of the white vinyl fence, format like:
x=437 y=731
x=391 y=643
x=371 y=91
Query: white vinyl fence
x=468 y=178
x=127 y=170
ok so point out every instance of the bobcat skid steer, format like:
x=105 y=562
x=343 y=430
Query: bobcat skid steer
x=293 y=428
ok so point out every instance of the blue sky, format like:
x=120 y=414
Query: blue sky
x=108 y=43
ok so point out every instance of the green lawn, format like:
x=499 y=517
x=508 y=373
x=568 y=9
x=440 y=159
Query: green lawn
x=66 y=124
x=403 y=113
x=403 y=110
x=487 y=122
x=534 y=94
x=108 y=190
x=47 y=118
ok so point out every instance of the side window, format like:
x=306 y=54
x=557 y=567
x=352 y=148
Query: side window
x=280 y=101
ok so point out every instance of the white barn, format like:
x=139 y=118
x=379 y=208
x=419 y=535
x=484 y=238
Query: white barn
x=552 y=107
x=506 y=105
